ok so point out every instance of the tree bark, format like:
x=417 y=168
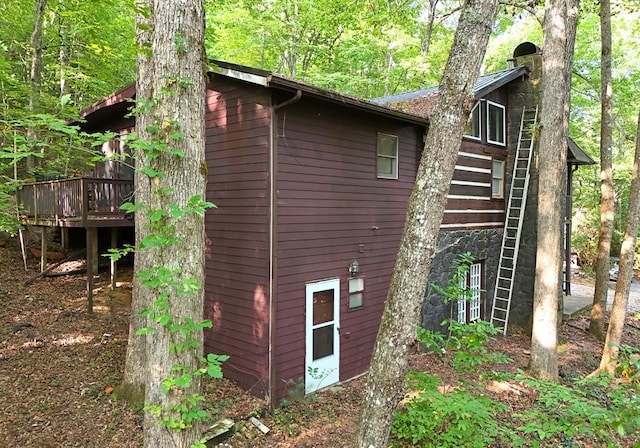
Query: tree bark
x=625 y=271
x=386 y=378
x=597 y=324
x=177 y=85
x=559 y=37
x=132 y=388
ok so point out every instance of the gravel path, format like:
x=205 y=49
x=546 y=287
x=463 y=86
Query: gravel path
x=634 y=294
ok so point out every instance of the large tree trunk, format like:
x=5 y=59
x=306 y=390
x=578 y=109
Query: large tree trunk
x=176 y=78
x=597 y=325
x=625 y=272
x=386 y=378
x=560 y=23
x=132 y=388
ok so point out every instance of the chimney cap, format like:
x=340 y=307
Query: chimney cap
x=525 y=49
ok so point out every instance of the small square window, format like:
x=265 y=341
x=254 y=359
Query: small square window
x=472 y=128
x=495 y=123
x=497 y=179
x=387 y=150
x=356 y=293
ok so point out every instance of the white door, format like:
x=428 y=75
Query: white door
x=322 y=334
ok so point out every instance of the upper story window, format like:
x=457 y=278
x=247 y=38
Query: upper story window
x=472 y=128
x=496 y=123
x=497 y=179
x=387 y=150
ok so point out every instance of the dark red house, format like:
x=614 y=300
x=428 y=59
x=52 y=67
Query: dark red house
x=311 y=188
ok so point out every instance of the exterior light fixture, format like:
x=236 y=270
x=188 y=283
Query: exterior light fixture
x=354 y=268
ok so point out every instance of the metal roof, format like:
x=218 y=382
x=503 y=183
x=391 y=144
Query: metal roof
x=484 y=84
x=576 y=155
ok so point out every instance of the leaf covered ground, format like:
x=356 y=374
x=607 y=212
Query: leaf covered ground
x=59 y=366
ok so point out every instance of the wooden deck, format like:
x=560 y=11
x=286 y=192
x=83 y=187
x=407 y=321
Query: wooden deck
x=79 y=202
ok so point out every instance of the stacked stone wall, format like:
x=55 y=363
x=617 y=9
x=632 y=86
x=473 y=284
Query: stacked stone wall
x=484 y=245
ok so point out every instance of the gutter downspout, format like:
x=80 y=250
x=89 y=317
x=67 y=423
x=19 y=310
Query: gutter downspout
x=273 y=149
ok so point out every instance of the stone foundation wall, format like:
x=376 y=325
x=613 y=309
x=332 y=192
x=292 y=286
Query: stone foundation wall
x=483 y=245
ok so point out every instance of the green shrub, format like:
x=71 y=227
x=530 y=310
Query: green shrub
x=456 y=419
x=594 y=408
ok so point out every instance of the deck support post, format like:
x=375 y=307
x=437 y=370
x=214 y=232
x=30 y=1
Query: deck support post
x=43 y=249
x=113 y=265
x=91 y=251
x=64 y=237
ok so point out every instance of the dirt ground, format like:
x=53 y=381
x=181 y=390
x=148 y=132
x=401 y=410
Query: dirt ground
x=59 y=365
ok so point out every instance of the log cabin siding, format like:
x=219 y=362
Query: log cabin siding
x=329 y=202
x=237 y=232
x=470 y=204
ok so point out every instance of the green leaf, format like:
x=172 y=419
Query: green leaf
x=151 y=172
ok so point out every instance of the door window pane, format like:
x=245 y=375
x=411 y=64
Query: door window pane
x=322 y=306
x=322 y=342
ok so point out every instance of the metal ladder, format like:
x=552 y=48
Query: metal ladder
x=513 y=221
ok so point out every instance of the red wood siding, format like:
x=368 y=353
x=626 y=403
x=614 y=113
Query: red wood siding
x=332 y=209
x=237 y=232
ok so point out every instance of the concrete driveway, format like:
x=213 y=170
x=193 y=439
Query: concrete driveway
x=584 y=294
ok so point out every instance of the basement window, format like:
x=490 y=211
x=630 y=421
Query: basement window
x=470 y=302
x=496 y=123
x=387 y=161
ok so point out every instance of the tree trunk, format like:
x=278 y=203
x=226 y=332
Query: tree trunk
x=132 y=388
x=625 y=271
x=559 y=37
x=177 y=85
x=597 y=325
x=430 y=11
x=36 y=68
x=386 y=378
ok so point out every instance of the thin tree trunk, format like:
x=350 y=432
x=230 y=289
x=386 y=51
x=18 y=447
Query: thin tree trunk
x=430 y=10
x=625 y=272
x=177 y=81
x=559 y=37
x=386 y=378
x=132 y=387
x=597 y=324
x=63 y=55
x=36 y=67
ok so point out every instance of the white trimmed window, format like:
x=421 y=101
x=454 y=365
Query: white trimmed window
x=387 y=161
x=356 y=293
x=470 y=304
x=496 y=125
x=472 y=128
x=497 y=179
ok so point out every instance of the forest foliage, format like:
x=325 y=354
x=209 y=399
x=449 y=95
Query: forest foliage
x=364 y=48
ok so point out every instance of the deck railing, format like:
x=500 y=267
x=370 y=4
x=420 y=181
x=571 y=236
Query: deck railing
x=75 y=199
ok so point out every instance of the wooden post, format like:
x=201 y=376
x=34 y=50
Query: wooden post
x=64 y=237
x=43 y=249
x=91 y=240
x=113 y=266
x=94 y=252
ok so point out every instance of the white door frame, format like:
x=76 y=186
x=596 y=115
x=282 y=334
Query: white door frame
x=325 y=370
